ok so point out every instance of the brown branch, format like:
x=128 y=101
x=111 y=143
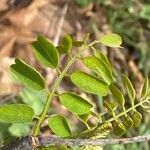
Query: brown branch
x=45 y=141
x=71 y=142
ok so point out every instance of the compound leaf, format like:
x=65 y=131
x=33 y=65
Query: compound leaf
x=59 y=125
x=117 y=94
x=27 y=75
x=129 y=87
x=16 y=113
x=45 y=52
x=111 y=40
x=100 y=67
x=89 y=83
x=75 y=103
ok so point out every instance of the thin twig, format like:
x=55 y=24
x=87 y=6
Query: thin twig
x=49 y=140
x=71 y=142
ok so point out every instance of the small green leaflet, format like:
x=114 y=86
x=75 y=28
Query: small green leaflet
x=89 y=83
x=130 y=88
x=59 y=126
x=75 y=103
x=97 y=132
x=104 y=58
x=65 y=45
x=144 y=91
x=127 y=122
x=84 y=118
x=100 y=67
x=111 y=40
x=111 y=106
x=45 y=52
x=117 y=94
x=78 y=43
x=19 y=130
x=16 y=113
x=27 y=75
x=137 y=118
x=119 y=130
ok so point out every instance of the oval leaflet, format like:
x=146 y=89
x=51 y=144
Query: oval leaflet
x=75 y=103
x=27 y=75
x=100 y=67
x=45 y=52
x=89 y=83
x=59 y=126
x=16 y=113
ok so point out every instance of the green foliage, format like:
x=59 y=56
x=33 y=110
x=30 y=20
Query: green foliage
x=27 y=75
x=117 y=94
x=136 y=117
x=73 y=102
x=119 y=129
x=111 y=40
x=99 y=66
x=19 y=130
x=89 y=83
x=45 y=52
x=105 y=60
x=145 y=13
x=36 y=99
x=130 y=89
x=144 y=91
x=127 y=122
x=59 y=126
x=99 y=81
x=65 y=45
x=77 y=43
x=16 y=113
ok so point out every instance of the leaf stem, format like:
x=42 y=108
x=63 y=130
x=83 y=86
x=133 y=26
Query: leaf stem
x=128 y=110
x=50 y=96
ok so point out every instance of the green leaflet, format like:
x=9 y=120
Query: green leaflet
x=111 y=40
x=19 y=130
x=111 y=106
x=102 y=130
x=119 y=130
x=59 y=126
x=130 y=88
x=27 y=75
x=16 y=113
x=75 y=103
x=127 y=122
x=78 y=43
x=65 y=45
x=36 y=99
x=117 y=94
x=84 y=118
x=144 y=91
x=89 y=83
x=100 y=67
x=98 y=132
x=45 y=52
x=137 y=118
x=104 y=58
